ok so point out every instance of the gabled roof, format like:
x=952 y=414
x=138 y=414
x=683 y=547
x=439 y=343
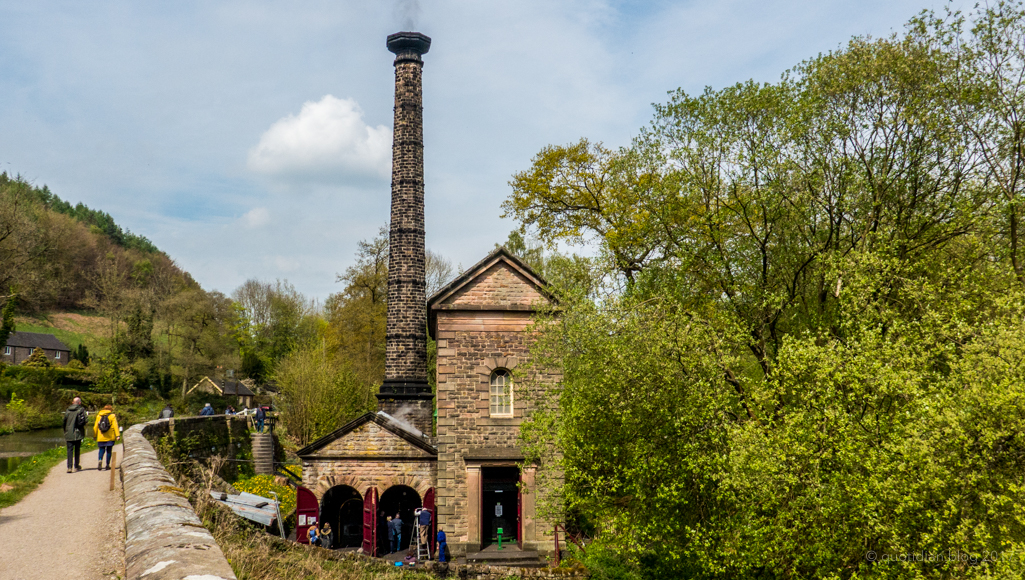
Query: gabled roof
x=385 y=421
x=467 y=278
x=36 y=339
x=235 y=388
x=225 y=387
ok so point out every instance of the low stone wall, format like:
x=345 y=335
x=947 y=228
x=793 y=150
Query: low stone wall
x=165 y=538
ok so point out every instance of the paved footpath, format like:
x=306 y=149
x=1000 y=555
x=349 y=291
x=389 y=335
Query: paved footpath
x=70 y=528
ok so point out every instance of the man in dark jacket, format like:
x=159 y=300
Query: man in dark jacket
x=261 y=416
x=167 y=413
x=206 y=411
x=74 y=432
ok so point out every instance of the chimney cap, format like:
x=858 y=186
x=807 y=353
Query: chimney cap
x=406 y=42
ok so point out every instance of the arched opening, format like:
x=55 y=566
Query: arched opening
x=401 y=500
x=342 y=507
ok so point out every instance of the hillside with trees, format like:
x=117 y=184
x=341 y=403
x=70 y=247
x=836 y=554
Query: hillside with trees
x=136 y=321
x=801 y=353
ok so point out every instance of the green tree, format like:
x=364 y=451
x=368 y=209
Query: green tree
x=810 y=346
x=318 y=394
x=7 y=318
x=38 y=360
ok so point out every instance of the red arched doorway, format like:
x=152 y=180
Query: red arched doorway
x=401 y=500
x=342 y=507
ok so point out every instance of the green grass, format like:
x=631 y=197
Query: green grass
x=31 y=473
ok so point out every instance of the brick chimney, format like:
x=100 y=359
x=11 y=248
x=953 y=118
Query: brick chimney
x=405 y=393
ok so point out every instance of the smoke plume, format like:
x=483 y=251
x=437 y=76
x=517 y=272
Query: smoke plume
x=407 y=12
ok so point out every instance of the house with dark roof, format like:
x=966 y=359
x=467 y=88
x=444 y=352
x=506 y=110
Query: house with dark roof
x=225 y=388
x=21 y=344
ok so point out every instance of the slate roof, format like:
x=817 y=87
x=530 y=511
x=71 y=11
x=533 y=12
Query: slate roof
x=386 y=421
x=36 y=339
x=235 y=388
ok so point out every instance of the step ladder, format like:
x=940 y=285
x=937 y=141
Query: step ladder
x=423 y=551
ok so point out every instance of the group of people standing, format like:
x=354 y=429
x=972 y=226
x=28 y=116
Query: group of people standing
x=322 y=536
x=105 y=430
x=208 y=411
x=394 y=524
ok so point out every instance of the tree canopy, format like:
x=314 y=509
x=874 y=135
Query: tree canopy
x=806 y=341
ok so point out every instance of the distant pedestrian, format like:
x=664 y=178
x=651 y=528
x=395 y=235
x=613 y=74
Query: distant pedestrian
x=230 y=410
x=75 y=419
x=395 y=533
x=424 y=519
x=106 y=438
x=167 y=413
x=207 y=411
x=261 y=415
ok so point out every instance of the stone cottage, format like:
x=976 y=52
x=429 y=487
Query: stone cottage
x=20 y=346
x=471 y=472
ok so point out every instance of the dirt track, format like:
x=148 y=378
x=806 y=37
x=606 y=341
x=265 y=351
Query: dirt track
x=70 y=528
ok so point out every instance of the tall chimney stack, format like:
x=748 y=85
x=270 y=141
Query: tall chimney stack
x=405 y=392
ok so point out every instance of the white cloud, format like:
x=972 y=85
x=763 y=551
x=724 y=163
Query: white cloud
x=327 y=141
x=256 y=217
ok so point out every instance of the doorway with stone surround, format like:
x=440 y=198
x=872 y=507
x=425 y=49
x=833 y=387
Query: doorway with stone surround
x=500 y=505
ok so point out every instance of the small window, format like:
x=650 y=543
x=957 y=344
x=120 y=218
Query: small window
x=7 y=350
x=58 y=355
x=501 y=393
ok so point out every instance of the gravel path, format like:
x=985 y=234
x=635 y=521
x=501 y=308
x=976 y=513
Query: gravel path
x=70 y=528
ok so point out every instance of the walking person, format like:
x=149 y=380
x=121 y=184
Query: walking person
x=261 y=415
x=107 y=432
x=206 y=411
x=75 y=419
x=167 y=413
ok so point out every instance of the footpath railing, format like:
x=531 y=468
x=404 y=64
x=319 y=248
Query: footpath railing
x=165 y=538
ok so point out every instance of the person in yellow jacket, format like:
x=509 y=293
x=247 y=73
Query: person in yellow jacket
x=106 y=439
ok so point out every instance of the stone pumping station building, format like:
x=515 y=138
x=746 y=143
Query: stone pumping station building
x=471 y=474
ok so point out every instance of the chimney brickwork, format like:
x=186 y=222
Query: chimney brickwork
x=406 y=391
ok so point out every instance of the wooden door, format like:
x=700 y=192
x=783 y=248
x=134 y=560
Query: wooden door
x=370 y=522
x=429 y=505
x=307 y=510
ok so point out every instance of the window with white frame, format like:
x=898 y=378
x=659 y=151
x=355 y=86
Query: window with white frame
x=58 y=355
x=7 y=350
x=501 y=393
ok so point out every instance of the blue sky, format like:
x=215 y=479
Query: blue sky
x=251 y=139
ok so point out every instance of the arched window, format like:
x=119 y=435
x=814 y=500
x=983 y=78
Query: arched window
x=501 y=393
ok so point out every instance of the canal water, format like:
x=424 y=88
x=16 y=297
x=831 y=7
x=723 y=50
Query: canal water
x=17 y=447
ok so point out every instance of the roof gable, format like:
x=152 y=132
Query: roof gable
x=501 y=281
x=36 y=339
x=378 y=434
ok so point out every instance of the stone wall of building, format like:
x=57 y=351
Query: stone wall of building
x=472 y=344
x=369 y=456
x=498 y=286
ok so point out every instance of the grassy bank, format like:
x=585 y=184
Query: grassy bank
x=31 y=473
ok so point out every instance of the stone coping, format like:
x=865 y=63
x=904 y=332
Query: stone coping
x=165 y=538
